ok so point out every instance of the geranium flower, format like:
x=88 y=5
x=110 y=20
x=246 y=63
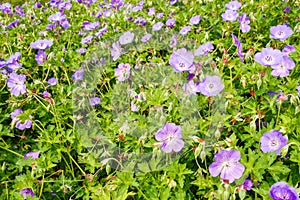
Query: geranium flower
x=52 y=81
x=269 y=57
x=16 y=83
x=170 y=22
x=211 y=86
x=284 y=68
x=116 y=51
x=94 y=101
x=281 y=32
x=233 y=5
x=27 y=191
x=157 y=26
x=282 y=191
x=195 y=20
x=226 y=163
x=89 y=26
x=170 y=136
x=239 y=46
x=185 y=30
x=41 y=57
x=33 y=155
x=204 y=49
x=244 y=23
x=181 y=60
x=122 y=72
x=146 y=37
x=126 y=38
x=230 y=15
x=41 y=44
x=273 y=141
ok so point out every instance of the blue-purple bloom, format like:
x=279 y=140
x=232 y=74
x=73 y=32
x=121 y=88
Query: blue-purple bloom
x=27 y=191
x=247 y=185
x=273 y=141
x=269 y=57
x=57 y=17
x=146 y=37
x=281 y=32
x=204 y=49
x=81 y=50
x=90 y=25
x=211 y=86
x=151 y=11
x=171 y=137
x=33 y=155
x=173 y=41
x=239 y=46
x=13 y=61
x=87 y=39
x=52 y=81
x=244 y=23
x=230 y=15
x=298 y=89
x=123 y=71
x=126 y=38
x=116 y=51
x=288 y=49
x=195 y=20
x=19 y=125
x=157 y=26
x=284 y=68
x=140 y=21
x=185 y=30
x=41 y=57
x=94 y=101
x=226 y=163
x=233 y=5
x=13 y=24
x=190 y=88
x=16 y=83
x=283 y=191
x=78 y=75
x=287 y=9
x=41 y=44
x=101 y=32
x=170 y=22
x=159 y=15
x=181 y=60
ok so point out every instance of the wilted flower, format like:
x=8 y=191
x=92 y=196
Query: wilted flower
x=181 y=60
x=247 y=185
x=146 y=37
x=195 y=20
x=233 y=5
x=126 y=38
x=204 y=49
x=244 y=23
x=16 y=83
x=230 y=15
x=170 y=22
x=122 y=72
x=272 y=141
x=226 y=163
x=269 y=57
x=288 y=49
x=78 y=75
x=191 y=88
x=87 y=39
x=211 y=86
x=284 y=68
x=33 y=155
x=170 y=136
x=157 y=26
x=239 y=46
x=41 y=44
x=281 y=190
x=52 y=81
x=26 y=191
x=185 y=30
x=281 y=32
x=94 y=101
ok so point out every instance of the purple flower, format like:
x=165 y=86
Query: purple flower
x=46 y=94
x=239 y=46
x=226 y=163
x=146 y=38
x=272 y=141
x=247 y=185
x=195 y=20
x=230 y=15
x=281 y=190
x=172 y=2
x=16 y=83
x=170 y=22
x=15 y=113
x=87 y=39
x=126 y=38
x=211 y=86
x=33 y=155
x=244 y=23
x=282 y=69
x=52 y=81
x=233 y=5
x=204 y=49
x=281 y=32
x=107 y=13
x=288 y=49
x=78 y=75
x=41 y=44
x=159 y=15
x=41 y=57
x=94 y=101
x=21 y=126
x=185 y=30
x=269 y=57
x=13 y=24
x=13 y=61
x=298 y=88
x=81 y=50
x=26 y=191
x=116 y=4
x=90 y=26
x=122 y=72
x=134 y=107
x=181 y=60
x=101 y=32
x=173 y=41
x=287 y=9
x=191 y=88
x=170 y=136
x=157 y=26
x=57 y=17
x=140 y=21
x=151 y=11
x=51 y=26
x=64 y=6
x=116 y=51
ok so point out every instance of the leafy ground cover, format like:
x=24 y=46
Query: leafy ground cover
x=150 y=100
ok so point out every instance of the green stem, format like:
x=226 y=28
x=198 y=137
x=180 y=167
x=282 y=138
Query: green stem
x=17 y=154
x=76 y=164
